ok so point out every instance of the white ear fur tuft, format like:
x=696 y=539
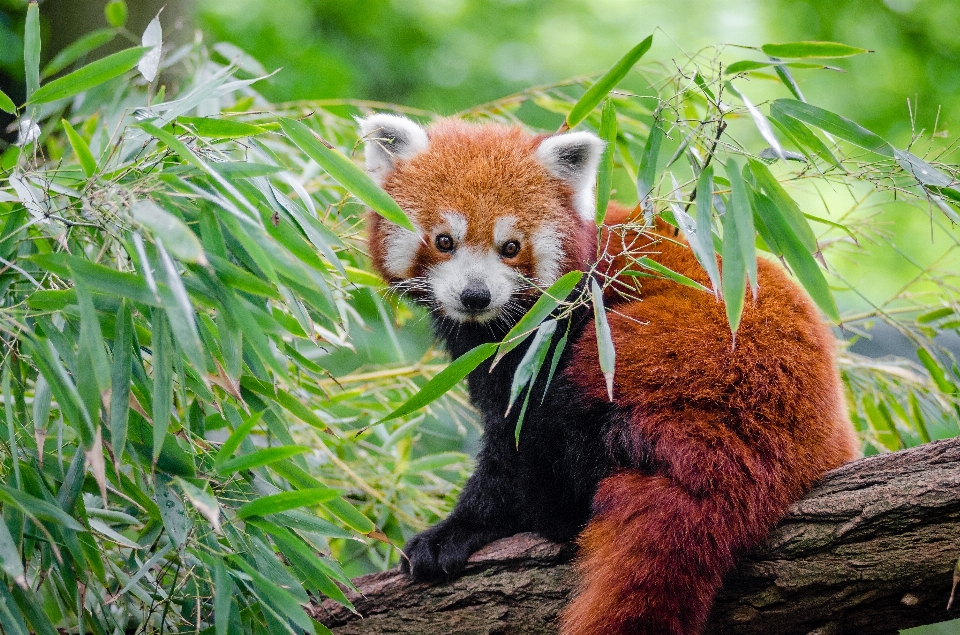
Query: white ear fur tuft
x=573 y=157
x=388 y=138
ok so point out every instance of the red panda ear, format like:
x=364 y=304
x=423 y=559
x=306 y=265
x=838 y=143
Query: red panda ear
x=573 y=158
x=388 y=138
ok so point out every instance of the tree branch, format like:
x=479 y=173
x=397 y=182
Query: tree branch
x=869 y=550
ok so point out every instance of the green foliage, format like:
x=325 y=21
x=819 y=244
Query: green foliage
x=210 y=414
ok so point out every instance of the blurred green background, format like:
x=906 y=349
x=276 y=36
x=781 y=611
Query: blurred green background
x=447 y=55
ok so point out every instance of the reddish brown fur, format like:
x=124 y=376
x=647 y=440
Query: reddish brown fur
x=738 y=433
x=489 y=172
x=735 y=433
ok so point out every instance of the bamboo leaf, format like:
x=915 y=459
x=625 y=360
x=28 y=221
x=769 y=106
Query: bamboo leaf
x=120 y=380
x=763 y=125
x=739 y=208
x=80 y=148
x=162 y=381
x=176 y=236
x=222 y=129
x=31 y=48
x=803 y=50
x=444 y=380
x=223 y=593
x=599 y=89
x=285 y=501
x=553 y=297
x=203 y=501
x=6 y=104
x=802 y=135
x=235 y=439
x=797 y=255
x=346 y=173
x=87 y=77
x=835 y=125
x=260 y=458
x=527 y=370
x=10 y=562
x=608 y=132
x=647 y=172
x=607 y=353
x=348 y=515
x=174 y=516
x=666 y=272
x=787 y=206
x=704 y=224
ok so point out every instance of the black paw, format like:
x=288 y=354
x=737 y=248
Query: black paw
x=441 y=552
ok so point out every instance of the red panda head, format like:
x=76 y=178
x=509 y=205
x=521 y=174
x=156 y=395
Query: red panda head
x=500 y=214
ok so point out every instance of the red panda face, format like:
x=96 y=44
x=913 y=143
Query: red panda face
x=500 y=214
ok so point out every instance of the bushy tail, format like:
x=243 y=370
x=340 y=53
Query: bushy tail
x=655 y=554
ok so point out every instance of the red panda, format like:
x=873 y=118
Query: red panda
x=704 y=444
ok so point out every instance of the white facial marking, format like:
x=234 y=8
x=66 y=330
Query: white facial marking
x=388 y=138
x=574 y=157
x=401 y=247
x=503 y=230
x=467 y=266
x=458 y=225
x=546 y=254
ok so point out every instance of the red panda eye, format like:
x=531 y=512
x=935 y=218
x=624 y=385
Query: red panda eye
x=444 y=242
x=510 y=249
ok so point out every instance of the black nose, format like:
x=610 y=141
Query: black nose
x=476 y=297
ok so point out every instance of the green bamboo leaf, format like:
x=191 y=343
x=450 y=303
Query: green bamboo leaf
x=275 y=597
x=80 y=148
x=648 y=263
x=6 y=104
x=812 y=49
x=235 y=439
x=260 y=458
x=346 y=173
x=223 y=593
x=595 y=94
x=734 y=266
x=289 y=403
x=285 y=501
x=174 y=516
x=937 y=373
x=31 y=606
x=745 y=66
x=162 y=380
x=607 y=353
x=48 y=363
x=936 y=314
x=444 y=380
x=787 y=206
x=31 y=48
x=434 y=462
x=91 y=335
x=702 y=245
x=38 y=507
x=348 y=515
x=10 y=562
x=120 y=380
x=87 y=77
x=529 y=366
x=608 y=132
x=802 y=135
x=180 y=314
x=176 y=236
x=219 y=128
x=10 y=618
x=739 y=206
x=116 y=13
x=11 y=425
x=555 y=362
x=647 y=172
x=798 y=257
x=76 y=50
x=835 y=125
x=553 y=297
x=704 y=221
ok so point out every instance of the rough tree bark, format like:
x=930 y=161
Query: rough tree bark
x=869 y=550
